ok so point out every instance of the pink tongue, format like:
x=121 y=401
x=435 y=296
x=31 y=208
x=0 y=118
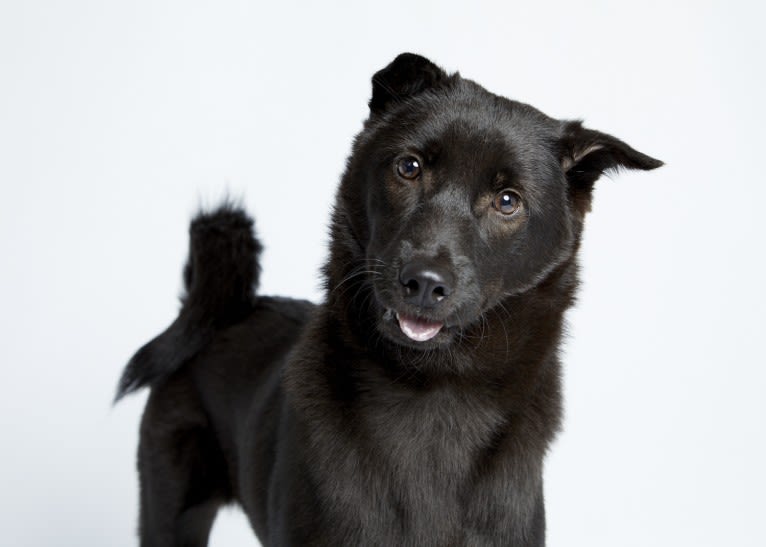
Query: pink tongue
x=418 y=329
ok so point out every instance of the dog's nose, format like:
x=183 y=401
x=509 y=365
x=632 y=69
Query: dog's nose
x=425 y=284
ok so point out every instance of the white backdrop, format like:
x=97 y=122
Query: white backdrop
x=118 y=119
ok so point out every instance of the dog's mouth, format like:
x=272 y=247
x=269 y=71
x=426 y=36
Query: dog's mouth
x=415 y=330
x=418 y=329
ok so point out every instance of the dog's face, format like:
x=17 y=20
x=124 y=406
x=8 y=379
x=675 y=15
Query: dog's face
x=468 y=198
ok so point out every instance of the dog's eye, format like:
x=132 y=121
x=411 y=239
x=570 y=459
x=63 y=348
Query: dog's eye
x=507 y=202
x=408 y=168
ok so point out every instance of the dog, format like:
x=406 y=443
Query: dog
x=414 y=406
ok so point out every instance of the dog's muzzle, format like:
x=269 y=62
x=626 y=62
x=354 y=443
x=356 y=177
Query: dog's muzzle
x=425 y=285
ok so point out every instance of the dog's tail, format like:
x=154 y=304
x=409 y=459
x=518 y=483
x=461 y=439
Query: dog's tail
x=220 y=278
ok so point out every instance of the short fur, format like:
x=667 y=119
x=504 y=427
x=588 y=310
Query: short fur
x=328 y=424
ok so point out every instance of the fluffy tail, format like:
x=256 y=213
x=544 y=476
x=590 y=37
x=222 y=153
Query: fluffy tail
x=220 y=278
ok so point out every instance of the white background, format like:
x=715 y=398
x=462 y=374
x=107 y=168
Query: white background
x=118 y=119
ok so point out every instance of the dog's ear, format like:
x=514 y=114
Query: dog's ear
x=406 y=76
x=586 y=154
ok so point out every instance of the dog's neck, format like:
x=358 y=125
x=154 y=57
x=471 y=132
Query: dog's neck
x=465 y=457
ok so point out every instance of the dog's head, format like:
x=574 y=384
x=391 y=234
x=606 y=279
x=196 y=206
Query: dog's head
x=455 y=199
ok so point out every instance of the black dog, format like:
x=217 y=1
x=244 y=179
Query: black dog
x=415 y=405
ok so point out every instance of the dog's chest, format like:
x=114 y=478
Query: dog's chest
x=439 y=431
x=428 y=450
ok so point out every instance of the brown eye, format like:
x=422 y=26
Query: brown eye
x=408 y=168
x=507 y=202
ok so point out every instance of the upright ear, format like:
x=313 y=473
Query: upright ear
x=406 y=76
x=586 y=154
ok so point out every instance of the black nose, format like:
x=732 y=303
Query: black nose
x=425 y=284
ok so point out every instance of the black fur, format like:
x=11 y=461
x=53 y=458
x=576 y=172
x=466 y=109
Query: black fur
x=220 y=279
x=415 y=405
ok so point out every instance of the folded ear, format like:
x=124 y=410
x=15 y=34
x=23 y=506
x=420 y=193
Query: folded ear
x=586 y=154
x=406 y=76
